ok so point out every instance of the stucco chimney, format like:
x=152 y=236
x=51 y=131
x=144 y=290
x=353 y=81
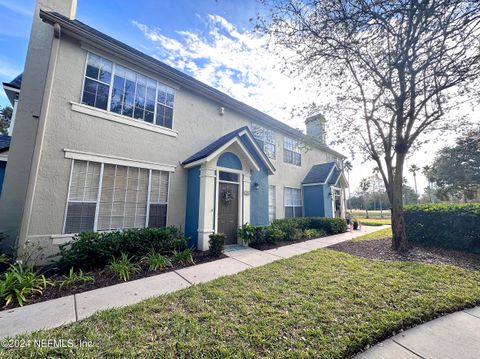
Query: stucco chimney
x=316 y=127
x=67 y=8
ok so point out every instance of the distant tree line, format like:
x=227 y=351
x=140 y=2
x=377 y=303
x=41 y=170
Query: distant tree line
x=454 y=175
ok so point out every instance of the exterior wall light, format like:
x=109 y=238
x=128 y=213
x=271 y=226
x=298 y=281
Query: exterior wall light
x=256 y=186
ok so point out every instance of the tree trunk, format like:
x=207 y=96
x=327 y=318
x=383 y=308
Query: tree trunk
x=399 y=238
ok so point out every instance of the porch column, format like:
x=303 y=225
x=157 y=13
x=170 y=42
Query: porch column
x=246 y=198
x=342 y=202
x=206 y=209
x=332 y=191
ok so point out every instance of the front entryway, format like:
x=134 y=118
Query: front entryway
x=228 y=210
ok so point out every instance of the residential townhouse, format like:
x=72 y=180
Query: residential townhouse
x=108 y=138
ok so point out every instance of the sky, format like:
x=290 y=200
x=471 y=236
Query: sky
x=211 y=40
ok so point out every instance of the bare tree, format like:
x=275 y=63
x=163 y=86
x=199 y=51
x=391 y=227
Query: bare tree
x=396 y=69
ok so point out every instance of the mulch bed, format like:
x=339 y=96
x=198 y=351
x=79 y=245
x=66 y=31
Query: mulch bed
x=267 y=246
x=381 y=249
x=104 y=278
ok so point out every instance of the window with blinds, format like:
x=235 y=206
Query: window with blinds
x=158 y=199
x=82 y=197
x=292 y=201
x=272 y=203
x=109 y=197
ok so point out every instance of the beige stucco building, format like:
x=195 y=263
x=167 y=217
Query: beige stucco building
x=106 y=138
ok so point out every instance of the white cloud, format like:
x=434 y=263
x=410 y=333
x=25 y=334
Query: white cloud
x=16 y=8
x=238 y=63
x=8 y=71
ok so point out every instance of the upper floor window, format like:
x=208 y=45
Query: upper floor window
x=291 y=151
x=98 y=75
x=127 y=92
x=266 y=140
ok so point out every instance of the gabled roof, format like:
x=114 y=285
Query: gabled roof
x=12 y=88
x=15 y=83
x=319 y=173
x=4 y=142
x=336 y=173
x=220 y=144
x=88 y=34
x=212 y=147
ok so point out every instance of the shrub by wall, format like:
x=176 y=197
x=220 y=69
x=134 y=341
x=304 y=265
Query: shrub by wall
x=452 y=226
x=217 y=244
x=94 y=250
x=329 y=225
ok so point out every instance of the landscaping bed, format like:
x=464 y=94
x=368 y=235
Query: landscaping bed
x=290 y=230
x=99 y=259
x=103 y=278
x=382 y=249
x=324 y=303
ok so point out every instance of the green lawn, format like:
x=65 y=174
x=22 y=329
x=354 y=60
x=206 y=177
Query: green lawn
x=380 y=234
x=360 y=213
x=321 y=304
x=375 y=221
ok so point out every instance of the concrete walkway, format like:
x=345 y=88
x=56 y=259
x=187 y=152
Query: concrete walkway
x=453 y=336
x=57 y=312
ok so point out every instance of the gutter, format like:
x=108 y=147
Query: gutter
x=119 y=49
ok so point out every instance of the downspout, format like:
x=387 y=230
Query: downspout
x=37 y=151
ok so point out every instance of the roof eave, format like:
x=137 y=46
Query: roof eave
x=176 y=76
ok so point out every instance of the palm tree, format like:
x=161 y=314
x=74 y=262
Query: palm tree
x=364 y=187
x=414 y=169
x=347 y=166
x=428 y=173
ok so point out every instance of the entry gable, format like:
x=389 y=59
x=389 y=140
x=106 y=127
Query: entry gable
x=223 y=143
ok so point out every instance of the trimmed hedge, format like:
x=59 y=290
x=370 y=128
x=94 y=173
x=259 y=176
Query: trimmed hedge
x=95 y=249
x=217 y=244
x=329 y=225
x=295 y=229
x=451 y=226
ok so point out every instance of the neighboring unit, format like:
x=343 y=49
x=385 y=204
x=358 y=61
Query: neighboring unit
x=108 y=138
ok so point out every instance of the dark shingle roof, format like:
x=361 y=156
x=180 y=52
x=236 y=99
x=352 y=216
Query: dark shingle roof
x=16 y=82
x=318 y=173
x=4 y=142
x=335 y=176
x=82 y=30
x=212 y=147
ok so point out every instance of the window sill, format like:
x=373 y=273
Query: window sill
x=59 y=239
x=292 y=164
x=110 y=116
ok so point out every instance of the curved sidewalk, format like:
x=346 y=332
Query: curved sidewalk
x=453 y=336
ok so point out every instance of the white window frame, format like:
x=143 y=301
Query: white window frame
x=263 y=138
x=295 y=149
x=158 y=85
x=293 y=206
x=97 y=202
